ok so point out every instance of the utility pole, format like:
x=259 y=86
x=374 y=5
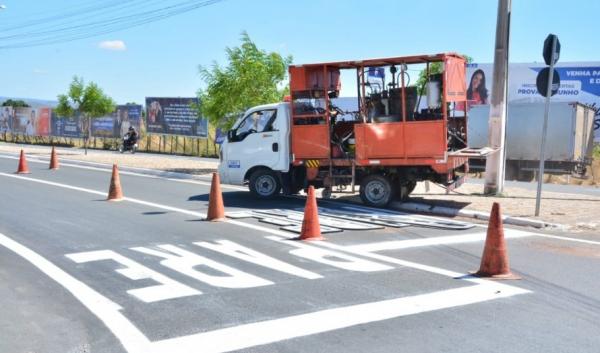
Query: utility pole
x=494 y=165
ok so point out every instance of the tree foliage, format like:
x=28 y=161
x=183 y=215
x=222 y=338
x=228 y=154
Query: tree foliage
x=434 y=68
x=15 y=103
x=251 y=77
x=89 y=100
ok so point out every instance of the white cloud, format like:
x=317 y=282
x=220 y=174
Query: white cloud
x=118 y=45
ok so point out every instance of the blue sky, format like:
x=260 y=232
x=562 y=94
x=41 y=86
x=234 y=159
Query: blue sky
x=162 y=58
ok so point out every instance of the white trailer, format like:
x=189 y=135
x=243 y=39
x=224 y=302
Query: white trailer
x=569 y=142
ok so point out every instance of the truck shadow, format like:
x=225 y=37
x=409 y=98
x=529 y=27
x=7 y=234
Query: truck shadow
x=243 y=199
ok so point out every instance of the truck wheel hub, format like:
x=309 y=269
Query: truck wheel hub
x=375 y=191
x=265 y=185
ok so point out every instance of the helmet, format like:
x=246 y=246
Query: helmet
x=131 y=128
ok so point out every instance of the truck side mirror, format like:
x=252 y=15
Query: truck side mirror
x=230 y=135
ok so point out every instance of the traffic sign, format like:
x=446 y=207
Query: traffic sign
x=542 y=82
x=548 y=49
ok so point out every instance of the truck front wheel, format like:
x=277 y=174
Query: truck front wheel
x=264 y=183
x=376 y=190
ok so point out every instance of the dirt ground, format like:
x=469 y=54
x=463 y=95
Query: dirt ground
x=577 y=212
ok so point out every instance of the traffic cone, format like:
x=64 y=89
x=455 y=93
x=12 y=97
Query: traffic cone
x=311 y=229
x=23 y=168
x=216 y=210
x=494 y=261
x=114 y=192
x=53 y=160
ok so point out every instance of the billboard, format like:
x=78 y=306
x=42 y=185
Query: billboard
x=579 y=82
x=118 y=122
x=28 y=121
x=66 y=127
x=25 y=121
x=175 y=116
x=42 y=122
x=6 y=119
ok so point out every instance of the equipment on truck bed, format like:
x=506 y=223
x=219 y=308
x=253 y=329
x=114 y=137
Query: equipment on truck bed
x=388 y=144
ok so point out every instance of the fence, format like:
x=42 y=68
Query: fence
x=167 y=144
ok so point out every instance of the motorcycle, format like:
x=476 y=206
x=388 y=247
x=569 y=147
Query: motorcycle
x=127 y=145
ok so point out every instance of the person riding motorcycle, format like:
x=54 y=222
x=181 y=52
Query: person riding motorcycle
x=131 y=137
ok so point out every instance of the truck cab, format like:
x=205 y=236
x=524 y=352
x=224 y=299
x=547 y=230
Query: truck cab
x=257 y=149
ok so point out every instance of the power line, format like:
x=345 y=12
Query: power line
x=92 y=29
x=36 y=19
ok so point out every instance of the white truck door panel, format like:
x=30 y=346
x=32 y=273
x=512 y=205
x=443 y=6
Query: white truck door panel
x=257 y=142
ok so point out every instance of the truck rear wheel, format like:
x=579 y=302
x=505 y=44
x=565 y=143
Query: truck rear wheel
x=264 y=183
x=376 y=190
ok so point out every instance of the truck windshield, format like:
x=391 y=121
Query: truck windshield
x=259 y=121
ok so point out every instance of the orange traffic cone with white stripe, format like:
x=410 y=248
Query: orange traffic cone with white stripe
x=23 y=168
x=216 y=210
x=311 y=229
x=114 y=191
x=53 y=160
x=494 y=262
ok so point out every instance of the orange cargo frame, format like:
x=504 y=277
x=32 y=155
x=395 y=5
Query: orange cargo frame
x=403 y=143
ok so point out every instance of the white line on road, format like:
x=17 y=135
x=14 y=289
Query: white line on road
x=433 y=241
x=124 y=172
x=106 y=310
x=222 y=340
x=264 y=332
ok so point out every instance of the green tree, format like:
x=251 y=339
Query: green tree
x=89 y=100
x=15 y=103
x=251 y=77
x=434 y=68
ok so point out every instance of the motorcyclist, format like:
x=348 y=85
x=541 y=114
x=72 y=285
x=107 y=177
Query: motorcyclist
x=131 y=136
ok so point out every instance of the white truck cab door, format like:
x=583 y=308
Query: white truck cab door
x=255 y=141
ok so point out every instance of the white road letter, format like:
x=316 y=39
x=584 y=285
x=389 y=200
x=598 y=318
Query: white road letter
x=243 y=253
x=168 y=288
x=185 y=262
x=332 y=258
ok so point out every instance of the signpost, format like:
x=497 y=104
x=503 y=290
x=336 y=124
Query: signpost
x=551 y=54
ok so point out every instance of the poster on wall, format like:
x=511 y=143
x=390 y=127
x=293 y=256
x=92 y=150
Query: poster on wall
x=175 y=116
x=579 y=82
x=25 y=121
x=6 y=119
x=22 y=121
x=65 y=127
x=118 y=122
x=42 y=122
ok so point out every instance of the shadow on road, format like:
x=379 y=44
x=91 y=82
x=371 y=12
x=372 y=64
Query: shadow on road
x=244 y=199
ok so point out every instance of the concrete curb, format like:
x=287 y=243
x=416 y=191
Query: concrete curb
x=455 y=212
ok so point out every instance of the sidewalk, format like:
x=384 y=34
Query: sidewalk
x=575 y=211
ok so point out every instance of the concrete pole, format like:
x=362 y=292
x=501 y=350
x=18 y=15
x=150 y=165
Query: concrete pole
x=495 y=163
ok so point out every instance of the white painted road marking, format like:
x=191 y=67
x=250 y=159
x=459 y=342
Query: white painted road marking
x=107 y=311
x=264 y=332
x=238 y=251
x=108 y=169
x=201 y=215
x=188 y=263
x=431 y=241
x=168 y=288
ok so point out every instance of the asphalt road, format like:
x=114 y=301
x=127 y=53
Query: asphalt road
x=79 y=274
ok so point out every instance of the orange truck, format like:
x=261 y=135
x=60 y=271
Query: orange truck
x=398 y=134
